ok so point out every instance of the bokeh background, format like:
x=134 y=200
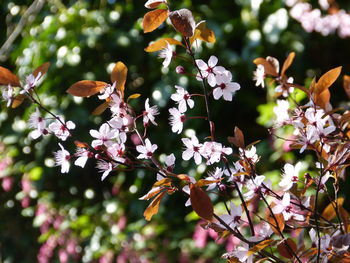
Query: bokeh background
x=46 y=216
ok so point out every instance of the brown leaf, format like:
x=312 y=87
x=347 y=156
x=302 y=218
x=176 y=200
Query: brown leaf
x=238 y=139
x=86 y=88
x=346 y=85
x=322 y=99
x=260 y=246
x=269 y=68
x=329 y=212
x=164 y=181
x=133 y=96
x=233 y=260
x=153 y=19
x=201 y=202
x=7 y=77
x=302 y=88
x=153 y=207
x=100 y=108
x=327 y=80
x=276 y=228
x=18 y=100
x=184 y=177
x=42 y=68
x=153 y=192
x=80 y=144
x=118 y=75
x=203 y=182
x=202 y=32
x=286 y=248
x=151 y=4
x=161 y=44
x=344 y=217
x=287 y=63
x=183 y=22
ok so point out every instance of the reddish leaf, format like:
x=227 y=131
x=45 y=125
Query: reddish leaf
x=269 y=68
x=201 y=203
x=344 y=217
x=100 y=108
x=118 y=75
x=7 y=77
x=153 y=207
x=153 y=19
x=161 y=44
x=238 y=139
x=151 y=4
x=42 y=68
x=346 y=84
x=86 y=88
x=287 y=63
x=286 y=248
x=183 y=22
x=18 y=100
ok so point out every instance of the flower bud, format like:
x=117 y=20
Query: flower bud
x=180 y=70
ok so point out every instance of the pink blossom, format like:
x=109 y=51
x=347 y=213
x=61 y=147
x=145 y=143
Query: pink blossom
x=146 y=151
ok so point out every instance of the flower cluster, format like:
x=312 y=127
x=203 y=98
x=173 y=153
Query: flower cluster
x=255 y=211
x=313 y=19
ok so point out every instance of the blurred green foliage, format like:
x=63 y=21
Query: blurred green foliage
x=81 y=40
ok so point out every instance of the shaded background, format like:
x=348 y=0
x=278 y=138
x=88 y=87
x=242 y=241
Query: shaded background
x=77 y=218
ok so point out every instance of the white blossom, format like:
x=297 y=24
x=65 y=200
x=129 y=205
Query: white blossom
x=62 y=159
x=209 y=70
x=182 y=98
x=146 y=151
x=149 y=113
x=37 y=123
x=225 y=87
x=177 y=118
x=192 y=149
x=259 y=76
x=166 y=53
x=61 y=128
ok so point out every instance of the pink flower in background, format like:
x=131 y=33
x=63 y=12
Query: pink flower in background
x=7 y=183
